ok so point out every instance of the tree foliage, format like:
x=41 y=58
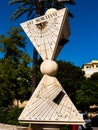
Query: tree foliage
x=37 y=7
x=10 y=116
x=70 y=77
x=88 y=93
x=15 y=80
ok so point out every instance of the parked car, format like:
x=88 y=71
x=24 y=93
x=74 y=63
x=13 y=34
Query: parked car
x=87 y=124
x=94 y=121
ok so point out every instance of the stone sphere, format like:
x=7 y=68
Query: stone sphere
x=49 y=67
x=51 y=10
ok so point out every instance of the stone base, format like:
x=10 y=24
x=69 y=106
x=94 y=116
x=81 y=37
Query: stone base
x=51 y=128
x=45 y=127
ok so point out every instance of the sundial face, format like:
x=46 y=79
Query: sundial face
x=45 y=32
x=50 y=104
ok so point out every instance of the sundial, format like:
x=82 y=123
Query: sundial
x=45 y=32
x=49 y=104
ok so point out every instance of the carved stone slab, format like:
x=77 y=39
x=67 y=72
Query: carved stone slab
x=50 y=104
x=46 y=31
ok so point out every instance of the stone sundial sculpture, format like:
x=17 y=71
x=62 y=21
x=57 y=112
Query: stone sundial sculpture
x=49 y=104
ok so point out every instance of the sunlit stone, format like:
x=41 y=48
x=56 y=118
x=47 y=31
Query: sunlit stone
x=49 y=67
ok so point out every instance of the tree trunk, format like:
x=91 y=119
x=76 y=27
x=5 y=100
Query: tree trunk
x=40 y=11
x=34 y=70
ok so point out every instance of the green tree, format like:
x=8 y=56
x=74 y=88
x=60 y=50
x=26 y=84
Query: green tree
x=88 y=93
x=70 y=77
x=14 y=71
x=36 y=8
x=94 y=80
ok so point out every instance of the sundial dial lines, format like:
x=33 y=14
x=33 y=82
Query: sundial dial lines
x=43 y=107
x=44 y=31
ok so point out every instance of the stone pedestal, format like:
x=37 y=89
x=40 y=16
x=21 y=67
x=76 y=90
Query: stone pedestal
x=51 y=128
x=45 y=127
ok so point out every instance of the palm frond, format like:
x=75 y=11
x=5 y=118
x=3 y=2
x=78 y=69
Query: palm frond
x=70 y=14
x=19 y=12
x=28 y=3
x=30 y=13
x=15 y=1
x=63 y=4
x=33 y=7
x=72 y=2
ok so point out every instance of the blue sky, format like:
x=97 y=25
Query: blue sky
x=83 y=41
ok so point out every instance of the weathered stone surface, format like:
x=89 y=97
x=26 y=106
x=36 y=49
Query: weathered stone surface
x=11 y=127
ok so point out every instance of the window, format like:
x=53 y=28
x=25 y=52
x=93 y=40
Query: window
x=96 y=66
x=88 y=66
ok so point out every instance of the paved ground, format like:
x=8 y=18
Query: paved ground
x=11 y=127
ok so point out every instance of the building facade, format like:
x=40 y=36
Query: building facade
x=90 y=68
